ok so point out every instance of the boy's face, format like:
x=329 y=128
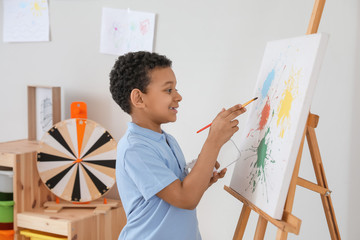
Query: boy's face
x=161 y=98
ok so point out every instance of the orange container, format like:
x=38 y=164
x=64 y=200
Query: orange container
x=7 y=234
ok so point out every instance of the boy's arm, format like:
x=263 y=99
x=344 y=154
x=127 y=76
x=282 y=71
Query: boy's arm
x=187 y=194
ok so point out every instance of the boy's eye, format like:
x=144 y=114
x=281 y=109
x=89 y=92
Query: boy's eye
x=170 y=90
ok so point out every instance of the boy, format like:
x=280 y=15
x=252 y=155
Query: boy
x=158 y=195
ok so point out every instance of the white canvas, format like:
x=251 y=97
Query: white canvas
x=276 y=121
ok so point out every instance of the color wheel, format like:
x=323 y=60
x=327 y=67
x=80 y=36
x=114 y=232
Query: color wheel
x=76 y=160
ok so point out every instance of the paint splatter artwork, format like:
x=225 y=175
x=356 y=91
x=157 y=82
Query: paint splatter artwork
x=125 y=31
x=276 y=121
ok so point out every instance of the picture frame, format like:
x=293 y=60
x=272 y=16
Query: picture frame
x=44 y=109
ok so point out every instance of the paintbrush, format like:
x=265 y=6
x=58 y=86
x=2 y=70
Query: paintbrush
x=242 y=106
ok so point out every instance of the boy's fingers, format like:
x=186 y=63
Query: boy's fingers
x=235 y=113
x=217 y=165
x=215 y=178
x=235 y=107
x=221 y=112
x=231 y=110
x=222 y=173
x=234 y=123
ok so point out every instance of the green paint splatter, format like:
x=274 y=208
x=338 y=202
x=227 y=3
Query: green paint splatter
x=261 y=152
x=262 y=158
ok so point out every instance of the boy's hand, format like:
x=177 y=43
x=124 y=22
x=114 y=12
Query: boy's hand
x=224 y=125
x=217 y=175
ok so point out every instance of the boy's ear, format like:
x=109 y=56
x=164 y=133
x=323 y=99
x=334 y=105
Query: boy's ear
x=136 y=98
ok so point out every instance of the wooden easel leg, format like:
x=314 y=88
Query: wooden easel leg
x=241 y=225
x=316 y=16
x=321 y=180
x=282 y=235
x=260 y=228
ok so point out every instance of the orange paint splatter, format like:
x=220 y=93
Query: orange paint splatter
x=264 y=115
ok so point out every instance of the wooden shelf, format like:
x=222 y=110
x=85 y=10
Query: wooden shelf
x=9 y=151
x=75 y=223
x=30 y=196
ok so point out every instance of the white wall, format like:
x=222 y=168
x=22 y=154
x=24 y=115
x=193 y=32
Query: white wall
x=216 y=47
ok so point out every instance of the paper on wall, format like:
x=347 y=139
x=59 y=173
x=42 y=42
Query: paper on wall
x=26 y=21
x=125 y=31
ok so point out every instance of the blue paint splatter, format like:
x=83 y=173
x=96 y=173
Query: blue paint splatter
x=267 y=83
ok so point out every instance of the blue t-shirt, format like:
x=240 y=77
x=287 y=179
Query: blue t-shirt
x=147 y=162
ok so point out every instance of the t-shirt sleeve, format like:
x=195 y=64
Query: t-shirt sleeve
x=148 y=170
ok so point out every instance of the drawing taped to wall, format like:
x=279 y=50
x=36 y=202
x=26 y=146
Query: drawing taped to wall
x=26 y=21
x=274 y=128
x=125 y=31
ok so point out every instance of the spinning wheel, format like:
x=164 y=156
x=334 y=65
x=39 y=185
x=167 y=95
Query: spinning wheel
x=76 y=160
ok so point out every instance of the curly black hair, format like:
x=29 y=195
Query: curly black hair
x=131 y=71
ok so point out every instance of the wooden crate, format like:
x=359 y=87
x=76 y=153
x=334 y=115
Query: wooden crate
x=30 y=195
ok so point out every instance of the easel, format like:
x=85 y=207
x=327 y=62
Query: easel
x=290 y=223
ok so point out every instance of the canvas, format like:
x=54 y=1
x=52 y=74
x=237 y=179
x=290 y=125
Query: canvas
x=276 y=121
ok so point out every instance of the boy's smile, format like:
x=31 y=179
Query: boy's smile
x=160 y=102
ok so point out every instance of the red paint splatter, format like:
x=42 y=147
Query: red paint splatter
x=264 y=115
x=251 y=130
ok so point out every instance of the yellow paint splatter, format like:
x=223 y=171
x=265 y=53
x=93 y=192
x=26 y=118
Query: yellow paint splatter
x=287 y=98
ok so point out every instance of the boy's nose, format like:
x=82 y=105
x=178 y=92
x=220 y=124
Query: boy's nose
x=178 y=97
